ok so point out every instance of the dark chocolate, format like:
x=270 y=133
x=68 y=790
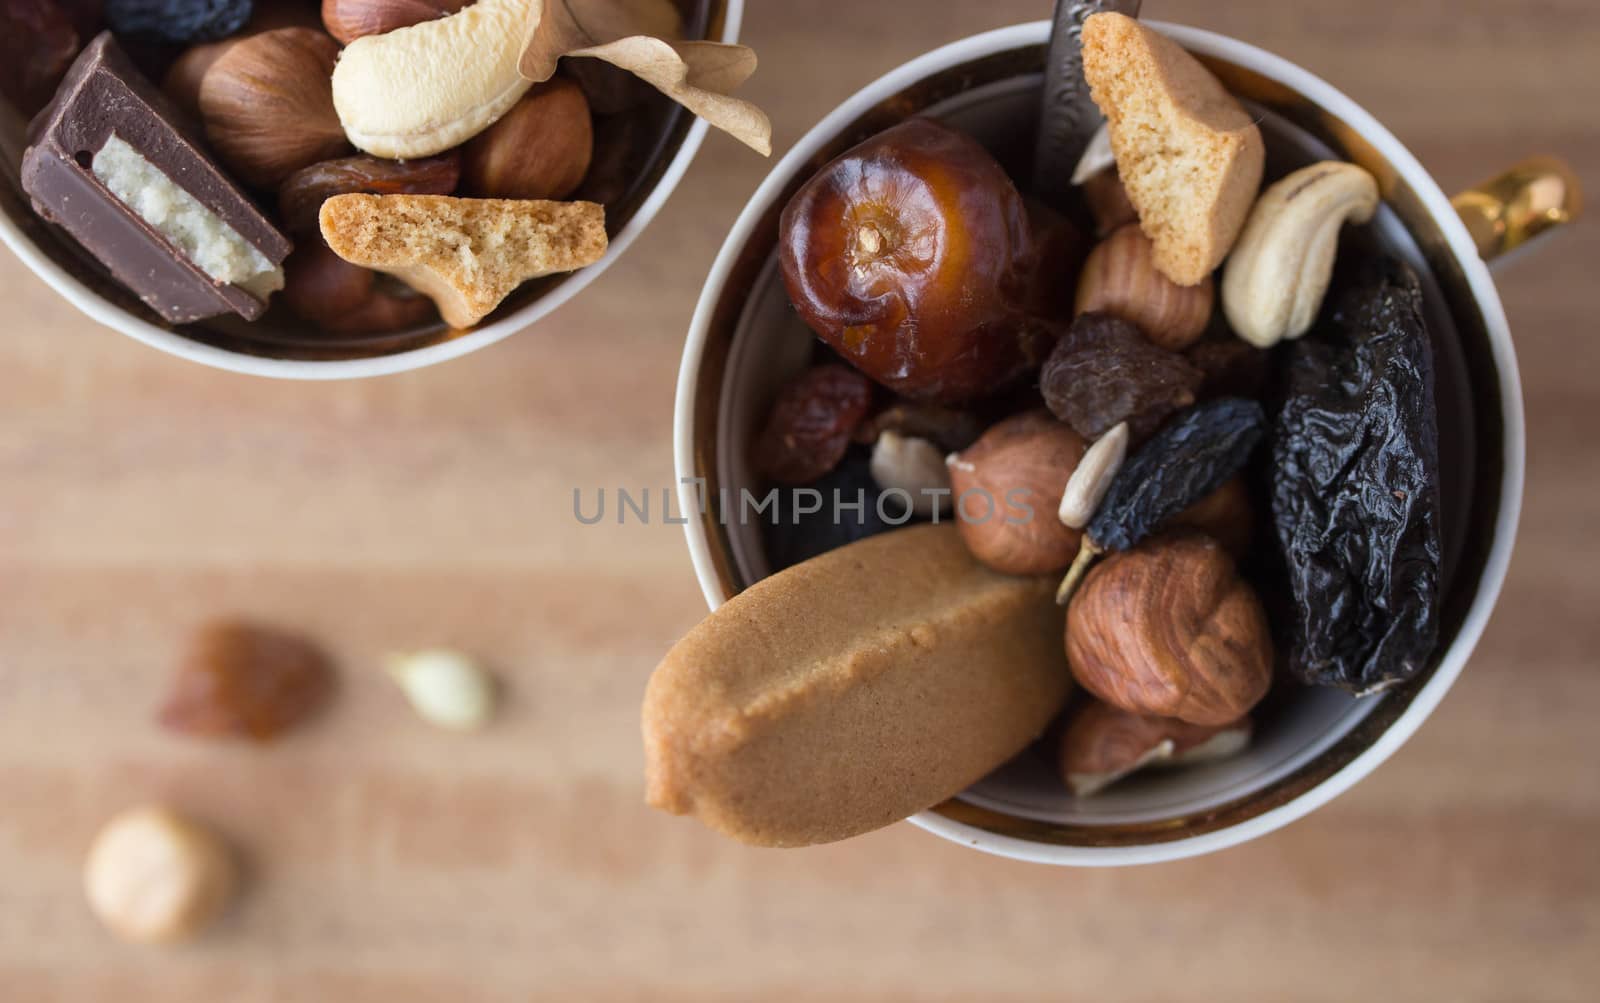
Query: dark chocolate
x=104 y=94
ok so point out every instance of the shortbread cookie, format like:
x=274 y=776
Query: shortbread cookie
x=1189 y=155
x=853 y=690
x=467 y=255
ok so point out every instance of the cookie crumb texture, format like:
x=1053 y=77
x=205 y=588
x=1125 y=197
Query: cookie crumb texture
x=1188 y=153
x=890 y=693
x=467 y=255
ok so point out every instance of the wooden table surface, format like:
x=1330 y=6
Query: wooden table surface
x=140 y=494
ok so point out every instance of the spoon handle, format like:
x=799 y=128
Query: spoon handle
x=1068 y=118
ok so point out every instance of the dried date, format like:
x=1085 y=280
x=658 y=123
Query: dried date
x=1103 y=372
x=241 y=680
x=1355 y=460
x=811 y=423
x=302 y=194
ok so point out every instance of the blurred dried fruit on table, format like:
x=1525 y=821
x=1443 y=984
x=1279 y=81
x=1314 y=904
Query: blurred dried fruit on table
x=1355 y=464
x=239 y=680
x=911 y=256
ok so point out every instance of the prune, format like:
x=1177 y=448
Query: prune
x=810 y=426
x=794 y=535
x=177 y=22
x=912 y=256
x=1231 y=367
x=951 y=429
x=1355 y=458
x=1104 y=371
x=303 y=192
x=38 y=43
x=240 y=680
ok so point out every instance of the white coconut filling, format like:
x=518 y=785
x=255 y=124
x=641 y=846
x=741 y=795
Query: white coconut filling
x=210 y=244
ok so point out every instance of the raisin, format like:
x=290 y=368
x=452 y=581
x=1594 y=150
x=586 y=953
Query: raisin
x=241 y=680
x=794 y=536
x=1194 y=455
x=38 y=43
x=177 y=22
x=303 y=192
x=811 y=423
x=1104 y=371
x=1230 y=366
x=1355 y=459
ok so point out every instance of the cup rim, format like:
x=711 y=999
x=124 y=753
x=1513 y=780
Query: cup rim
x=1461 y=248
x=108 y=314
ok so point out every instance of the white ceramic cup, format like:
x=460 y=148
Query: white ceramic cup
x=744 y=342
x=228 y=344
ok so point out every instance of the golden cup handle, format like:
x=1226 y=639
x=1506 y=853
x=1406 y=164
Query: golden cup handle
x=1515 y=208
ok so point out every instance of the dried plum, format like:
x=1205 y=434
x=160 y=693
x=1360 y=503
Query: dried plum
x=809 y=429
x=1104 y=371
x=1355 y=458
x=177 y=22
x=794 y=535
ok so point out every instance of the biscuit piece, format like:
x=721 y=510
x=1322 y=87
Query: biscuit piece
x=467 y=255
x=853 y=690
x=1188 y=153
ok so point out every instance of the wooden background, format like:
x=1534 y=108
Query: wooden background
x=139 y=494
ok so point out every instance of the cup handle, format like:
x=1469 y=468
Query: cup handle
x=1520 y=205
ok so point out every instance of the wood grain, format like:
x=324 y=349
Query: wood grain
x=139 y=494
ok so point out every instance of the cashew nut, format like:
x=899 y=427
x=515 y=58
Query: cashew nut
x=1274 y=282
x=428 y=88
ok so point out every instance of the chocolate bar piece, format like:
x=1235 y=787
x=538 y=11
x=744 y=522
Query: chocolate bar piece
x=108 y=163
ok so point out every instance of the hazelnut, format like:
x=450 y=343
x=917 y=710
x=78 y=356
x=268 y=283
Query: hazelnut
x=1225 y=515
x=1120 y=278
x=540 y=149
x=1170 y=629
x=340 y=298
x=182 y=82
x=348 y=20
x=267 y=105
x=1007 y=489
x=154 y=876
x=1103 y=744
